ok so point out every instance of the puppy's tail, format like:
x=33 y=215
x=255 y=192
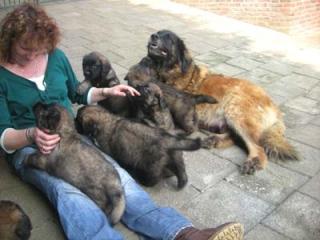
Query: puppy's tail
x=186 y=144
x=276 y=145
x=117 y=201
x=204 y=99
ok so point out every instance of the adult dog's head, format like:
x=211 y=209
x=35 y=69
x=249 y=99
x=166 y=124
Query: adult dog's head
x=14 y=223
x=53 y=118
x=97 y=69
x=168 y=50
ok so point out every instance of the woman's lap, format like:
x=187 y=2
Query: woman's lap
x=82 y=219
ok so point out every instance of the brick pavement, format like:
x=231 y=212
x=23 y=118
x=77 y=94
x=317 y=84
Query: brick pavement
x=281 y=202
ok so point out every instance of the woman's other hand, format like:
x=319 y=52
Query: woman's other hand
x=46 y=142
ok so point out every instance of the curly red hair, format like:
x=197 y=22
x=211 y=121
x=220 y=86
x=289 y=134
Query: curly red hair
x=31 y=24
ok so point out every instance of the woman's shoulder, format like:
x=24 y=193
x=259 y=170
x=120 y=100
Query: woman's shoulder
x=58 y=53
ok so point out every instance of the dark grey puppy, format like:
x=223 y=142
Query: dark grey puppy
x=78 y=162
x=148 y=153
x=14 y=222
x=181 y=104
x=99 y=73
x=152 y=108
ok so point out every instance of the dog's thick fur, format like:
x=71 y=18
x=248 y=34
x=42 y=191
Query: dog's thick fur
x=182 y=105
x=148 y=153
x=14 y=222
x=78 y=162
x=99 y=73
x=243 y=108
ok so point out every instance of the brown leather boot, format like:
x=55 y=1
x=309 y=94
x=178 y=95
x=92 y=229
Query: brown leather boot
x=227 y=231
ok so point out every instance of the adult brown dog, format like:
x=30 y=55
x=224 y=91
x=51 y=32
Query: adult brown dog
x=78 y=162
x=99 y=73
x=182 y=105
x=14 y=222
x=243 y=108
x=148 y=153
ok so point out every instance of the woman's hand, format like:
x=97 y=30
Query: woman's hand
x=120 y=90
x=45 y=142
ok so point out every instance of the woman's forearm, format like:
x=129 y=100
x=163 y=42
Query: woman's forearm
x=14 y=139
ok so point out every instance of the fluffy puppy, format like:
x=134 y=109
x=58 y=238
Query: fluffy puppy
x=152 y=108
x=148 y=153
x=99 y=73
x=78 y=162
x=243 y=108
x=182 y=105
x=14 y=222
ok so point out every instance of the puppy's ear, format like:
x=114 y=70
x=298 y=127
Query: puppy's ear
x=162 y=101
x=183 y=56
x=108 y=73
x=89 y=127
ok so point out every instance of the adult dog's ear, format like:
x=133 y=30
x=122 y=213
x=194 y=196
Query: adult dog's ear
x=183 y=56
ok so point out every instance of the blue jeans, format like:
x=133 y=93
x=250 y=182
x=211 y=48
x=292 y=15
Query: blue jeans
x=82 y=219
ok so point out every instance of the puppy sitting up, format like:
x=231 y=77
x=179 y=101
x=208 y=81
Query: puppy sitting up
x=14 y=223
x=149 y=154
x=77 y=162
x=99 y=73
x=152 y=108
x=182 y=105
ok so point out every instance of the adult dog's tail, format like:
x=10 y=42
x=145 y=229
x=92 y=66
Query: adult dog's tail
x=187 y=144
x=276 y=145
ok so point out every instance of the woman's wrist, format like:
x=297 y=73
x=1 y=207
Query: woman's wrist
x=29 y=132
x=104 y=92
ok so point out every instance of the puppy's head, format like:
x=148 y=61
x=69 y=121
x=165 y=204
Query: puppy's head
x=150 y=96
x=168 y=50
x=14 y=223
x=52 y=117
x=97 y=69
x=87 y=119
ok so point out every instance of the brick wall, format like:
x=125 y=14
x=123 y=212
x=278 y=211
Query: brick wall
x=295 y=17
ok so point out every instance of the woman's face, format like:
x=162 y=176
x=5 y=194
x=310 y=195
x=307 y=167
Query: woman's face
x=22 y=54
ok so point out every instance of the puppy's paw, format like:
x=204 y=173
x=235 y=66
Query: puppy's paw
x=251 y=166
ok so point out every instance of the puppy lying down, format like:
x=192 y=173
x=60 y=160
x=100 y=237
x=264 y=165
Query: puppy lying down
x=148 y=153
x=14 y=223
x=77 y=162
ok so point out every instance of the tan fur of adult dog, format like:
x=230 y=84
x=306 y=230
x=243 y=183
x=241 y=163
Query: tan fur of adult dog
x=243 y=107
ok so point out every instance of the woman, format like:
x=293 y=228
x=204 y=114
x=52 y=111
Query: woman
x=33 y=69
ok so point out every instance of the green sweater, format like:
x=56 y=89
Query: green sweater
x=18 y=95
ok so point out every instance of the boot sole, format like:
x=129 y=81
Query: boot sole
x=231 y=231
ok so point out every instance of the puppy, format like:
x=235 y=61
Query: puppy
x=78 y=162
x=152 y=108
x=243 y=108
x=181 y=104
x=14 y=223
x=148 y=153
x=99 y=73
